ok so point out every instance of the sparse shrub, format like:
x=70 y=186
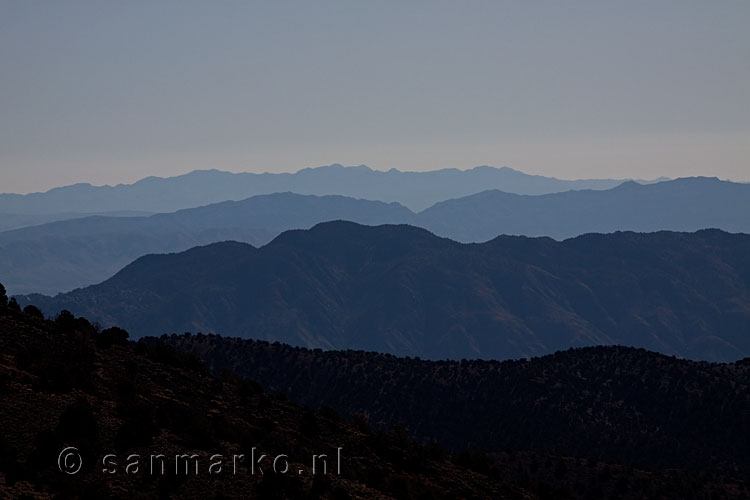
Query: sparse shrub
x=25 y=358
x=112 y=336
x=309 y=425
x=141 y=348
x=321 y=484
x=47 y=446
x=13 y=304
x=330 y=413
x=55 y=377
x=78 y=420
x=162 y=352
x=138 y=424
x=560 y=470
x=33 y=311
x=65 y=321
x=279 y=486
x=79 y=426
x=246 y=388
x=362 y=423
x=8 y=461
x=436 y=451
x=340 y=493
x=478 y=461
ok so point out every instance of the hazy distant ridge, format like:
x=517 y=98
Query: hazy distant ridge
x=416 y=190
x=64 y=255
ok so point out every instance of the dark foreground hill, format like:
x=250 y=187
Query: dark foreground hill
x=61 y=256
x=402 y=290
x=63 y=384
x=608 y=403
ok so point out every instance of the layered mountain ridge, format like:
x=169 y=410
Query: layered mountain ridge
x=403 y=290
x=417 y=190
x=60 y=256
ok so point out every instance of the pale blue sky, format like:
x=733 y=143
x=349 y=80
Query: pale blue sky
x=109 y=92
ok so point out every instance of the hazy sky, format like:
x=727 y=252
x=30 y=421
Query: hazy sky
x=109 y=92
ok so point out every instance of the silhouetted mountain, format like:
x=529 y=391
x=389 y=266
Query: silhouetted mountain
x=63 y=384
x=688 y=204
x=417 y=190
x=86 y=251
x=611 y=403
x=64 y=255
x=402 y=290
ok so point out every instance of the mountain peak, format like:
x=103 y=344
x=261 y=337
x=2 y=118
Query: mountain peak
x=629 y=184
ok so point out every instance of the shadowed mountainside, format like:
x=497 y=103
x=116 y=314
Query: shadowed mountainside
x=63 y=384
x=64 y=255
x=609 y=403
x=402 y=290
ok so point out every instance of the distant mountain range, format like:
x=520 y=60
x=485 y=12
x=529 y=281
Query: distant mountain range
x=16 y=221
x=64 y=255
x=687 y=204
x=402 y=290
x=69 y=254
x=416 y=190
